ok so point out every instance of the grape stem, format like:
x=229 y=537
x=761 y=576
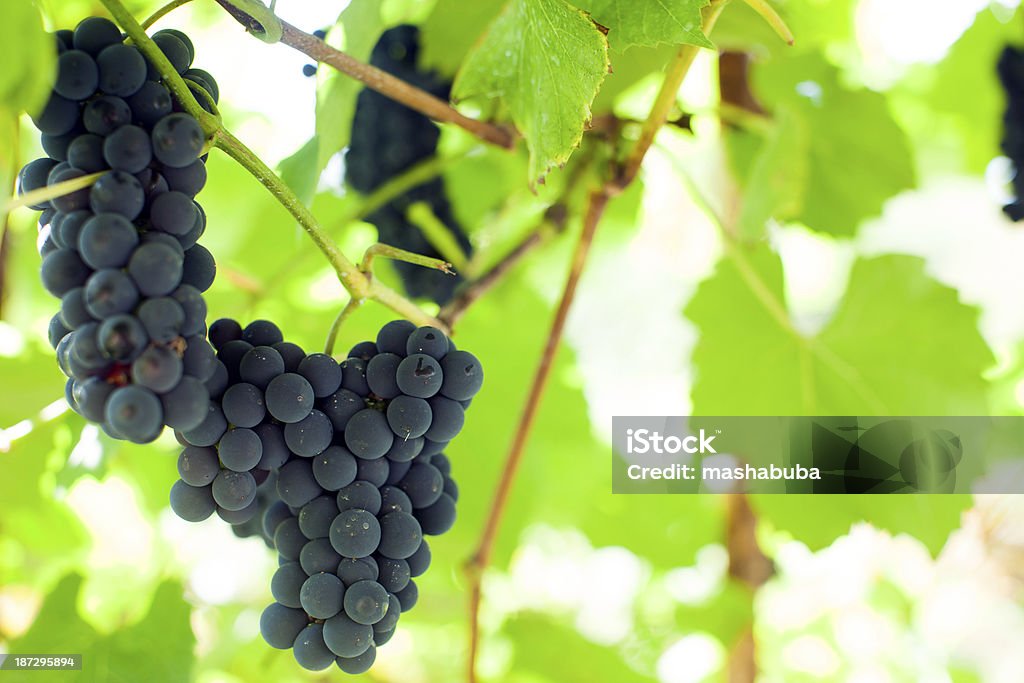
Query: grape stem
x=162 y=12
x=597 y=202
x=438 y=235
x=357 y=283
x=45 y=194
x=396 y=254
x=332 y=334
x=772 y=18
x=378 y=80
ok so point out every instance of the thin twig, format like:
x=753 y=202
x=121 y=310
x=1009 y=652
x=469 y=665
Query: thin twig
x=772 y=18
x=332 y=335
x=382 y=82
x=396 y=254
x=482 y=557
x=46 y=193
x=163 y=11
x=554 y=221
x=437 y=234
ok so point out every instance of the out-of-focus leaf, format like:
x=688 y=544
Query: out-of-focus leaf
x=451 y=30
x=650 y=22
x=857 y=156
x=545 y=60
x=336 y=92
x=29 y=58
x=301 y=171
x=158 y=648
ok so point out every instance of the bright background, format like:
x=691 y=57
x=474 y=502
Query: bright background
x=586 y=587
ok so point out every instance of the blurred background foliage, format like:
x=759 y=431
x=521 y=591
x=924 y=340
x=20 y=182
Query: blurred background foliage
x=832 y=245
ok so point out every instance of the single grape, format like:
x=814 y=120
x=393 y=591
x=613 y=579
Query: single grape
x=400 y=535
x=93 y=34
x=340 y=406
x=198 y=466
x=347 y=638
x=117 y=192
x=428 y=340
x=360 y=664
x=191 y=301
x=409 y=417
x=128 y=149
x=360 y=495
x=77 y=75
x=91 y=398
x=448 y=418
x=173 y=212
x=419 y=561
x=62 y=271
x=175 y=50
x=199 y=269
x=122 y=338
x=260 y=365
x=122 y=70
x=105 y=114
x=296 y=484
x=394 y=574
x=319 y=556
x=355 y=533
x=275 y=450
x=394 y=337
x=364 y=350
x=288 y=539
x=86 y=153
x=354 y=376
x=419 y=375
x=351 y=570
x=185 y=406
x=155 y=269
x=393 y=499
x=276 y=513
x=286 y=584
x=316 y=516
x=177 y=140
x=368 y=435
x=289 y=397
x=280 y=625
x=240 y=449
x=334 y=468
x=187 y=179
x=380 y=375
x=135 y=412
x=310 y=435
x=322 y=372
x=322 y=595
x=291 y=354
x=107 y=240
x=224 y=330
x=423 y=484
x=463 y=375
x=209 y=431
x=262 y=333
x=58 y=117
x=73 y=312
x=234 y=490
x=157 y=368
x=191 y=503
x=408 y=596
x=243 y=405
x=149 y=104
x=365 y=602
x=389 y=621
x=309 y=649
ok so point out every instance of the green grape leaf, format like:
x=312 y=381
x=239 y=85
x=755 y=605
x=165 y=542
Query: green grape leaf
x=819 y=520
x=965 y=87
x=336 y=93
x=650 y=22
x=899 y=344
x=301 y=170
x=450 y=31
x=778 y=176
x=158 y=648
x=857 y=155
x=29 y=70
x=555 y=652
x=545 y=60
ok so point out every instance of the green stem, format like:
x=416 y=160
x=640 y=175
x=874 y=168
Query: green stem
x=351 y=278
x=396 y=254
x=772 y=18
x=162 y=12
x=171 y=78
x=438 y=234
x=332 y=335
x=44 y=194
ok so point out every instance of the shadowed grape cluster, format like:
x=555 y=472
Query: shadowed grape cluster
x=122 y=254
x=1011 y=73
x=389 y=138
x=339 y=466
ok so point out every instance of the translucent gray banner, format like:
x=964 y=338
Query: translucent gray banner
x=846 y=455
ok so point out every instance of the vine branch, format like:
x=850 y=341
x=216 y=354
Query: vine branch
x=596 y=204
x=379 y=80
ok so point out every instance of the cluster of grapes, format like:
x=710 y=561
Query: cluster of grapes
x=389 y=138
x=122 y=254
x=339 y=466
x=1011 y=73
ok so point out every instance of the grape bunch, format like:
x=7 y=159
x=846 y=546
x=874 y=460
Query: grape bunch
x=339 y=467
x=1011 y=74
x=122 y=254
x=387 y=139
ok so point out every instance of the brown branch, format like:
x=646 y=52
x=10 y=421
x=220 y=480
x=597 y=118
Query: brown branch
x=553 y=222
x=380 y=81
x=482 y=557
x=750 y=566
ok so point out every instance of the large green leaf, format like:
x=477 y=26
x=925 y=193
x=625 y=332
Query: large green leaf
x=452 y=28
x=965 y=88
x=337 y=92
x=857 y=155
x=158 y=648
x=29 y=58
x=650 y=22
x=899 y=344
x=545 y=60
